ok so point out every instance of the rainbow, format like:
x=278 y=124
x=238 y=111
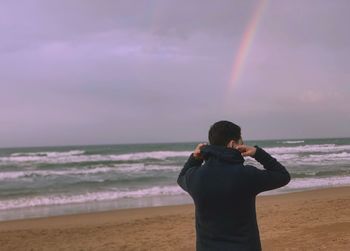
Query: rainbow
x=245 y=44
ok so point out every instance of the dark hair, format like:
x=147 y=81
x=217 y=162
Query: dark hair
x=223 y=132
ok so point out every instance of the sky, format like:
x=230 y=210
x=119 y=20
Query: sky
x=110 y=72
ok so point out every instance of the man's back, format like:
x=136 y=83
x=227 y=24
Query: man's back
x=224 y=192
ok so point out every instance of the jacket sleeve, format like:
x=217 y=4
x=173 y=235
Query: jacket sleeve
x=274 y=176
x=190 y=166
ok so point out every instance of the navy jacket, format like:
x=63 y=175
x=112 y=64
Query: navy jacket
x=224 y=192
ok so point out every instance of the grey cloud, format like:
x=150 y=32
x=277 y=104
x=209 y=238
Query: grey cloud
x=136 y=71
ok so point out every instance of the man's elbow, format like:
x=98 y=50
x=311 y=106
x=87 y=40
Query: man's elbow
x=286 y=178
x=180 y=181
x=283 y=179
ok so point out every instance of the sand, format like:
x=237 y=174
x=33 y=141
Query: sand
x=308 y=220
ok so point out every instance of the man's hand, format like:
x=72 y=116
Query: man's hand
x=246 y=150
x=197 y=151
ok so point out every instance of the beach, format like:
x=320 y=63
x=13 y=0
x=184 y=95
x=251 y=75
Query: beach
x=307 y=220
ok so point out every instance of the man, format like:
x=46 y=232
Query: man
x=224 y=189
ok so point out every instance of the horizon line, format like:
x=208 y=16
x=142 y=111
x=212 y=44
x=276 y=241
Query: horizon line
x=163 y=142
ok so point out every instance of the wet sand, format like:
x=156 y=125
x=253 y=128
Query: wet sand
x=308 y=220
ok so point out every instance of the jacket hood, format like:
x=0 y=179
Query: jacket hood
x=222 y=153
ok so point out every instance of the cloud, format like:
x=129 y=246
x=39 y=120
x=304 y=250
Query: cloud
x=132 y=71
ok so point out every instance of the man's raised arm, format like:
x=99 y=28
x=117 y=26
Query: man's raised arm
x=193 y=162
x=275 y=174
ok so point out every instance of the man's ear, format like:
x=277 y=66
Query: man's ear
x=231 y=144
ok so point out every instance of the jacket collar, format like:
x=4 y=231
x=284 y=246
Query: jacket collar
x=222 y=153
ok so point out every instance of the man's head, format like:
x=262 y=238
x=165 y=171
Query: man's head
x=225 y=133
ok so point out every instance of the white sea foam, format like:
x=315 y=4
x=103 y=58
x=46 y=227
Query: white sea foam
x=73 y=171
x=293 y=141
x=61 y=199
x=49 y=154
x=316 y=159
x=127 y=168
x=76 y=157
x=318 y=182
x=324 y=148
x=329 y=157
x=285 y=157
x=140 y=167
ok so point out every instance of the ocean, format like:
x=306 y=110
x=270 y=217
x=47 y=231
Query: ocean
x=46 y=181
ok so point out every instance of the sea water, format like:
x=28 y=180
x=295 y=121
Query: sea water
x=44 y=181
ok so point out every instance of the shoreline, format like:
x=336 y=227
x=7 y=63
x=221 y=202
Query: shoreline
x=110 y=209
x=317 y=219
